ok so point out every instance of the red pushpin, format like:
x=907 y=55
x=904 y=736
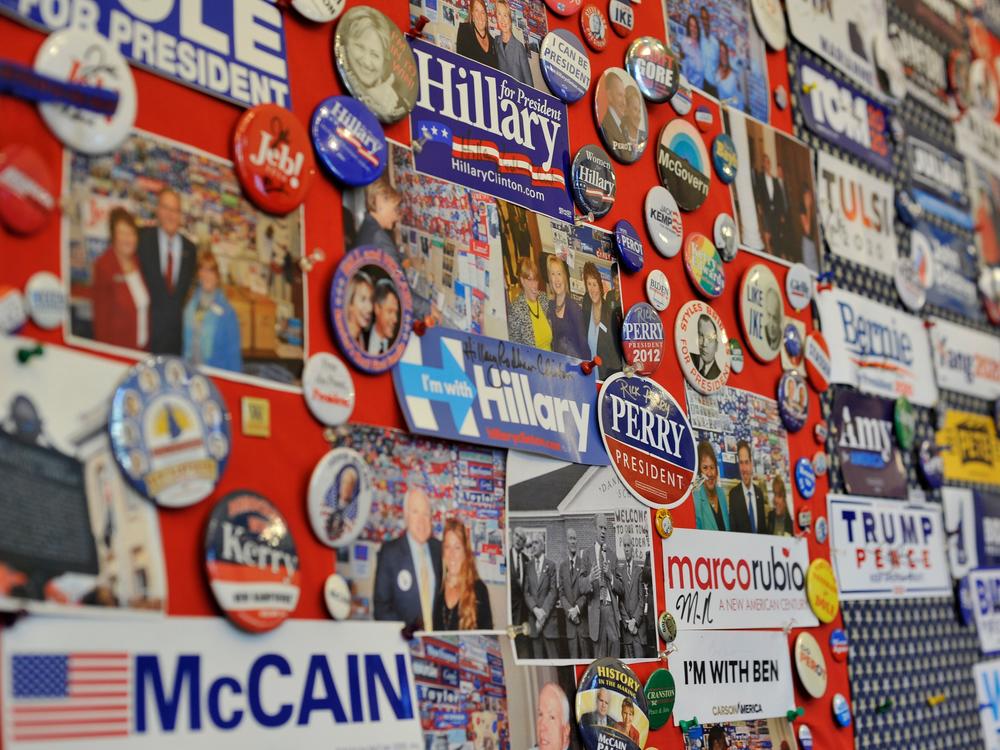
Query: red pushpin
x=588 y=367
x=420 y=325
x=417 y=29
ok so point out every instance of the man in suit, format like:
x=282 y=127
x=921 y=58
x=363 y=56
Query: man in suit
x=708 y=344
x=747 y=501
x=602 y=606
x=540 y=595
x=408 y=569
x=631 y=604
x=167 y=264
x=770 y=193
x=383 y=332
x=518 y=611
x=573 y=589
x=599 y=717
x=612 y=126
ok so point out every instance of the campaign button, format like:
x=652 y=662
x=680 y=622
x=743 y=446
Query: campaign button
x=594 y=25
x=805 y=478
x=821 y=431
x=704 y=266
x=328 y=389
x=799 y=286
x=375 y=63
x=793 y=400
x=821 y=590
x=621 y=16
x=963 y=594
x=909 y=211
x=838 y=645
x=724 y=232
x=629 y=246
x=761 y=312
x=660 y=694
x=339 y=497
x=80 y=56
x=821 y=464
x=337 y=596
x=724 y=158
x=251 y=561
x=682 y=101
x=931 y=464
x=736 y=355
x=700 y=340
x=564 y=7
x=27 y=189
x=642 y=338
x=654 y=67
x=45 y=298
x=904 y=418
x=793 y=344
x=805 y=737
x=682 y=164
x=13 y=309
x=703 y=118
x=663 y=221
x=914 y=273
x=770 y=19
x=621 y=116
x=273 y=159
x=319 y=11
x=593 y=181
x=666 y=626
x=819 y=366
x=841 y=710
x=821 y=529
x=805 y=519
x=658 y=290
x=609 y=688
x=810 y=664
x=565 y=65
x=664 y=523
x=349 y=140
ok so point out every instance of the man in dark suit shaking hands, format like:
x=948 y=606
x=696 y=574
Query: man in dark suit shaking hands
x=747 y=501
x=167 y=263
x=408 y=569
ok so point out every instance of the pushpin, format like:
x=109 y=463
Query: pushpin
x=587 y=218
x=884 y=707
x=418 y=145
x=420 y=325
x=417 y=29
x=408 y=630
x=808 y=87
x=307 y=262
x=26 y=353
x=686 y=725
x=588 y=367
x=795 y=713
x=513 y=631
x=936 y=700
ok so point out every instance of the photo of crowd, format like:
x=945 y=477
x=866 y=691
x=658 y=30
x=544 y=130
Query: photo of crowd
x=431 y=553
x=165 y=256
x=776 y=734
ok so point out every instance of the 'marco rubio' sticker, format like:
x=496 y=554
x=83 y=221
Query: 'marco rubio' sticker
x=682 y=161
x=648 y=439
x=251 y=561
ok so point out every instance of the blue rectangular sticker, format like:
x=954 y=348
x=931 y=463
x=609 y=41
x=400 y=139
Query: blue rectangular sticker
x=205 y=44
x=955 y=269
x=465 y=387
x=485 y=130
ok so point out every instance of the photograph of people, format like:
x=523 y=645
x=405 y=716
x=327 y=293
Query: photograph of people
x=747 y=501
x=518 y=612
x=625 y=725
x=635 y=119
x=512 y=57
x=540 y=596
x=565 y=315
x=370 y=63
x=462 y=602
x=602 y=609
x=552 y=721
x=603 y=321
x=631 y=603
x=808 y=229
x=692 y=67
x=121 y=301
x=386 y=311
x=599 y=716
x=528 y=315
x=167 y=262
x=211 y=328
x=340 y=498
x=360 y=307
x=473 y=39
x=382 y=215
x=781 y=519
x=710 y=53
x=408 y=568
x=727 y=81
x=708 y=345
x=772 y=206
x=711 y=511
x=573 y=590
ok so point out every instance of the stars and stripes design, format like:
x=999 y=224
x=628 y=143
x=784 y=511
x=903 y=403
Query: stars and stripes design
x=69 y=696
x=483 y=150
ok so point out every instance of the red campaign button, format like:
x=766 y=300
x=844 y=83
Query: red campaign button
x=274 y=159
x=27 y=189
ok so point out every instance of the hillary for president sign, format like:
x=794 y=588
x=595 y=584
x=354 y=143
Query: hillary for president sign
x=480 y=128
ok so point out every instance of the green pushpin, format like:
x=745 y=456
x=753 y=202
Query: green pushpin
x=795 y=713
x=26 y=353
x=686 y=725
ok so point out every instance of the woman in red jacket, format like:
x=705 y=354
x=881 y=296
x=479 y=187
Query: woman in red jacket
x=121 y=302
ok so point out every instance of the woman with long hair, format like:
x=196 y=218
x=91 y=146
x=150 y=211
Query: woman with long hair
x=211 y=328
x=473 y=37
x=462 y=601
x=602 y=323
x=710 y=508
x=726 y=80
x=781 y=518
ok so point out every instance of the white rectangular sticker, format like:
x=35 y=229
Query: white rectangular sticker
x=987 y=677
x=840 y=32
x=965 y=360
x=984 y=590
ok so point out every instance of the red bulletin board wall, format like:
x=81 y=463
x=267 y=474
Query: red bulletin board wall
x=279 y=467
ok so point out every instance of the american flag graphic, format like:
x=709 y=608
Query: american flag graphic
x=79 y=695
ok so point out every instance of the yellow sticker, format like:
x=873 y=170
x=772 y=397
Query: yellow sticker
x=821 y=590
x=970 y=447
x=256 y=414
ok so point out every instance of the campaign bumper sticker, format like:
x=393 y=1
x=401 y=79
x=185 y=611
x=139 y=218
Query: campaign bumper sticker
x=871 y=463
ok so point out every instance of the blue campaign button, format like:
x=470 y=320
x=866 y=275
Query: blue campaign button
x=349 y=140
x=593 y=181
x=838 y=644
x=793 y=342
x=931 y=464
x=805 y=478
x=793 y=400
x=724 y=158
x=820 y=529
x=841 y=710
x=629 y=246
x=565 y=65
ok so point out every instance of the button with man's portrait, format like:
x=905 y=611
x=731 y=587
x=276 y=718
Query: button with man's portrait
x=654 y=68
x=611 y=708
x=761 y=312
x=594 y=25
x=620 y=112
x=701 y=342
x=593 y=181
x=793 y=400
x=349 y=140
x=339 y=497
x=724 y=234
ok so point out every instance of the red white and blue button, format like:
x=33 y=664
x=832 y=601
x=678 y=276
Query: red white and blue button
x=793 y=400
x=654 y=68
x=629 y=246
x=565 y=65
x=642 y=338
x=349 y=140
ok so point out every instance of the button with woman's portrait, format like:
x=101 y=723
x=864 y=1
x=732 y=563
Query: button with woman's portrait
x=620 y=112
x=339 y=497
x=349 y=141
x=761 y=312
x=593 y=181
x=611 y=708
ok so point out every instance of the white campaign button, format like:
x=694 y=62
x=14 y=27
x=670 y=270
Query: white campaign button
x=337 y=594
x=799 y=286
x=658 y=289
x=770 y=20
x=761 y=312
x=46 y=300
x=328 y=389
x=663 y=221
x=320 y=11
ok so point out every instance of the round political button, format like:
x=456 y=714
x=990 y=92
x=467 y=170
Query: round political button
x=799 y=286
x=658 y=290
x=907 y=209
x=593 y=181
x=170 y=431
x=629 y=246
x=819 y=366
x=724 y=232
x=704 y=266
x=703 y=118
x=81 y=56
x=724 y=158
x=666 y=626
x=611 y=707
x=810 y=664
x=770 y=19
x=337 y=595
x=13 y=309
x=45 y=299
x=904 y=418
x=820 y=462
x=27 y=189
x=698 y=333
x=371 y=308
x=793 y=400
x=340 y=497
x=272 y=157
x=349 y=140
x=931 y=464
x=682 y=100
x=736 y=355
x=660 y=694
x=594 y=25
x=914 y=273
x=838 y=645
x=805 y=478
x=761 y=312
x=621 y=17
x=821 y=431
x=781 y=97
x=682 y=162
x=805 y=519
x=564 y=7
x=664 y=523
x=252 y=564
x=319 y=11
x=841 y=710
x=654 y=68
x=663 y=221
x=656 y=465
x=565 y=65
x=821 y=528
x=642 y=338
x=821 y=590
x=805 y=737
x=328 y=388
x=621 y=117
x=375 y=63
x=793 y=344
